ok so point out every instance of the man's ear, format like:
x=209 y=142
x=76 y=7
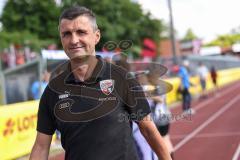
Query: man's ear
x=98 y=36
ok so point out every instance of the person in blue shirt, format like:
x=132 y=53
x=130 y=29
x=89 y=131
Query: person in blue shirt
x=185 y=85
x=37 y=87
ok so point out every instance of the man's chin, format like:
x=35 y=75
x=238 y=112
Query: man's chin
x=81 y=56
x=78 y=55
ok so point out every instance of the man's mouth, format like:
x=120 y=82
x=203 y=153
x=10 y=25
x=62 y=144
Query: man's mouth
x=75 y=48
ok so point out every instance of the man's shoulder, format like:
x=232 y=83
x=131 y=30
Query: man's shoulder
x=49 y=97
x=117 y=70
x=48 y=92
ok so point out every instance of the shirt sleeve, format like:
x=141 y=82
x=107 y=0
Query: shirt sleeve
x=136 y=102
x=45 y=123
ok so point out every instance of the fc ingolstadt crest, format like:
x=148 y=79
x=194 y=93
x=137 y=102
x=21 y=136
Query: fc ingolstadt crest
x=107 y=86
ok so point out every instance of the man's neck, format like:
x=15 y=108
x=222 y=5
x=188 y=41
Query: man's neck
x=83 y=67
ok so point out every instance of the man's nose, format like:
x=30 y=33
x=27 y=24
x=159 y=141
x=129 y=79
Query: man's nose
x=74 y=39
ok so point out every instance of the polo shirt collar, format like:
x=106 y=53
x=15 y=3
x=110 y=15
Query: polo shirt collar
x=96 y=76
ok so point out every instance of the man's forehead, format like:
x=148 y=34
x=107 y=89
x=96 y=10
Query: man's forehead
x=76 y=22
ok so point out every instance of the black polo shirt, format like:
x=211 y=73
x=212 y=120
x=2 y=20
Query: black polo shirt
x=94 y=116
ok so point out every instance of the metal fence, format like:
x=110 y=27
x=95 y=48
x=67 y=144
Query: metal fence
x=16 y=83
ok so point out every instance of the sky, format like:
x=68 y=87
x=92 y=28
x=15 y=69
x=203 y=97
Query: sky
x=2 y=2
x=207 y=18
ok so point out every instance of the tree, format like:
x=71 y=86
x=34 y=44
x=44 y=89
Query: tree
x=118 y=20
x=36 y=16
x=226 y=40
x=24 y=38
x=35 y=21
x=189 y=36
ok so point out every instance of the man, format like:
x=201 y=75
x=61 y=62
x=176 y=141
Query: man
x=202 y=72
x=90 y=102
x=185 y=85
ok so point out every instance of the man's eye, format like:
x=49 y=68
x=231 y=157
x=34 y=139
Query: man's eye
x=65 y=34
x=80 y=32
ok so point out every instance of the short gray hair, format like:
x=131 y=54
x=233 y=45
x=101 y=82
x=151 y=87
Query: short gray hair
x=76 y=11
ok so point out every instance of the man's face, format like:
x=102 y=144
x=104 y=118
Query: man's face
x=78 y=37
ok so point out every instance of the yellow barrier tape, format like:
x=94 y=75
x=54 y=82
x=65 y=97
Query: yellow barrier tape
x=224 y=77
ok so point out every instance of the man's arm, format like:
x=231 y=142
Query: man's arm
x=153 y=137
x=41 y=147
